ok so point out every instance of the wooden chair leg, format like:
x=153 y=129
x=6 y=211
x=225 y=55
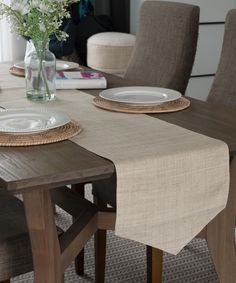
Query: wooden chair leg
x=79 y=260
x=79 y=263
x=154 y=265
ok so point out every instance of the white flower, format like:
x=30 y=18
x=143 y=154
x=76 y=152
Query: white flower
x=36 y=19
x=42 y=27
x=43 y=7
x=35 y=3
x=20 y=6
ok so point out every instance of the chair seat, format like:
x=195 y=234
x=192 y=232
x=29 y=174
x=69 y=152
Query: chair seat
x=15 y=248
x=105 y=190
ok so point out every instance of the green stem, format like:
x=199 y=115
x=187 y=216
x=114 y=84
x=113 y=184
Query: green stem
x=40 y=50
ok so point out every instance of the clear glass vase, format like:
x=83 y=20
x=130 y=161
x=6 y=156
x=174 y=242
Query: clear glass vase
x=40 y=72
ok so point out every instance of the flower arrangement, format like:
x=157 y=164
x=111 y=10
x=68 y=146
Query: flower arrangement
x=37 y=20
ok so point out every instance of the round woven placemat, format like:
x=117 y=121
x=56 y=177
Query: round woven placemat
x=51 y=136
x=17 y=71
x=165 y=107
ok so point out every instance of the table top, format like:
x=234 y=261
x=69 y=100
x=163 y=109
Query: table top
x=67 y=163
x=212 y=120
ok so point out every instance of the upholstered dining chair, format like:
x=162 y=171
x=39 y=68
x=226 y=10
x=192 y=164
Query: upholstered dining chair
x=223 y=91
x=165 y=45
x=15 y=247
x=163 y=56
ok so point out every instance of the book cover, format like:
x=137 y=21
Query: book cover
x=80 y=80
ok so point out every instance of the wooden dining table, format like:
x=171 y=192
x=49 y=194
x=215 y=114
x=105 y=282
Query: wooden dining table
x=35 y=171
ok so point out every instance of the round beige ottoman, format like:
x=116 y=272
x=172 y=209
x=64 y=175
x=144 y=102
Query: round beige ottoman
x=110 y=51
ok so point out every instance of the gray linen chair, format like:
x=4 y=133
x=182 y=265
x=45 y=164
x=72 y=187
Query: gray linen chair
x=223 y=91
x=165 y=45
x=15 y=247
x=163 y=56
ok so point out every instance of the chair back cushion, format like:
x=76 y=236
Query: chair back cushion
x=15 y=248
x=165 y=46
x=224 y=86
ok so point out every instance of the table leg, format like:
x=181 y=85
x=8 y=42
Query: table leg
x=154 y=265
x=43 y=236
x=221 y=237
x=79 y=260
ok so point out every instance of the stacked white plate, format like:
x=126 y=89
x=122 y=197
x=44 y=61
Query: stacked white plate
x=60 y=65
x=29 y=121
x=140 y=96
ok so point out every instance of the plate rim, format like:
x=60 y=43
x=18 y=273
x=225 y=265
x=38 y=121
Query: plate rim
x=66 y=118
x=118 y=89
x=74 y=65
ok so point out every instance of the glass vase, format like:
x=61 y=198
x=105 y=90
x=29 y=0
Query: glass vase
x=40 y=72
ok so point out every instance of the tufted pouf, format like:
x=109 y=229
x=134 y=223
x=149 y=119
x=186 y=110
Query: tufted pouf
x=110 y=51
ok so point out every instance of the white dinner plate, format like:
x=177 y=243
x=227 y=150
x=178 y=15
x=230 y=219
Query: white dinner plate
x=31 y=120
x=140 y=95
x=60 y=65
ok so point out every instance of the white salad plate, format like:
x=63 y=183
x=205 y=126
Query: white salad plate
x=60 y=65
x=25 y=121
x=140 y=95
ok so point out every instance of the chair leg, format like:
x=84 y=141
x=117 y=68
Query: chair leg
x=154 y=265
x=79 y=260
x=79 y=263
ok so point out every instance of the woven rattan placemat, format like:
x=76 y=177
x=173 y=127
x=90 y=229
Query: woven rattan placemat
x=17 y=71
x=51 y=136
x=171 y=106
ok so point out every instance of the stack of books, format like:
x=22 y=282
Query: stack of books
x=80 y=80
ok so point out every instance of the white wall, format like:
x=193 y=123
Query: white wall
x=134 y=9
x=12 y=46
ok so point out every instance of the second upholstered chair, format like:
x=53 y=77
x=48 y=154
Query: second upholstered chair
x=223 y=90
x=163 y=56
x=165 y=45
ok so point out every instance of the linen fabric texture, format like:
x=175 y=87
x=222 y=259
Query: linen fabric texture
x=166 y=43
x=8 y=81
x=171 y=182
x=224 y=84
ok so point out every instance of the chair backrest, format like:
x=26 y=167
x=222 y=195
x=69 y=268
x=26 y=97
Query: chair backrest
x=166 y=45
x=15 y=248
x=223 y=89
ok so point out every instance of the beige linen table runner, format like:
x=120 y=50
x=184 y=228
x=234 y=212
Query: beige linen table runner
x=8 y=81
x=170 y=181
